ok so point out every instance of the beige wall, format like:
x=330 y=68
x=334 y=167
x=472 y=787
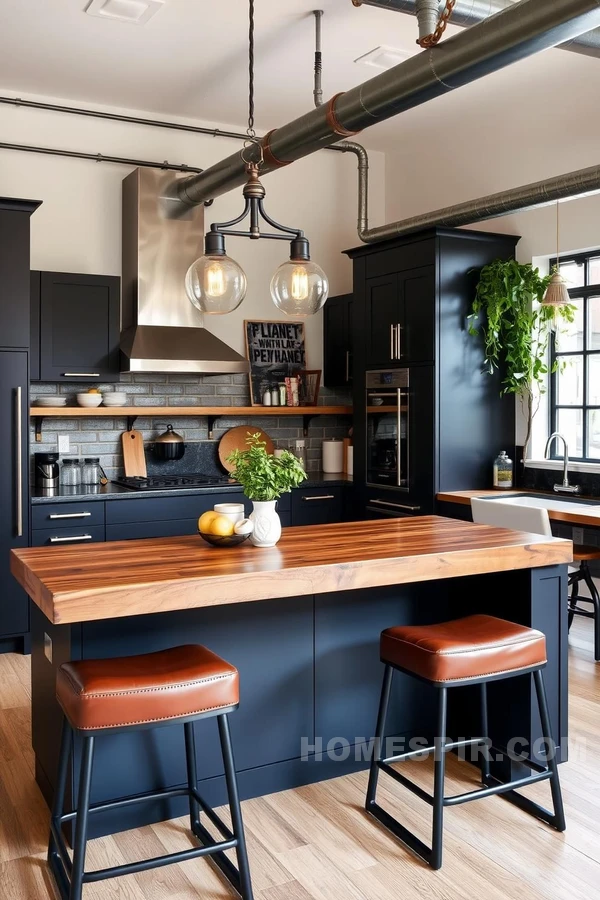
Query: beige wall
x=78 y=227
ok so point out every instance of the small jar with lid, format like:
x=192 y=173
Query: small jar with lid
x=70 y=473
x=90 y=471
x=503 y=471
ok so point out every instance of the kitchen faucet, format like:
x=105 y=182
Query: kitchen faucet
x=565 y=486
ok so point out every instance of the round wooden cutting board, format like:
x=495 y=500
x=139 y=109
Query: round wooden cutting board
x=235 y=439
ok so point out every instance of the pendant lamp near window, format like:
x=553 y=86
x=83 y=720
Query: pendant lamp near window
x=557 y=292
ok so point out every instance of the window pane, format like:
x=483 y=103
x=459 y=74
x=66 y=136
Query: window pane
x=570 y=337
x=570 y=425
x=594 y=433
x=594 y=271
x=594 y=380
x=573 y=273
x=593 y=323
x=569 y=382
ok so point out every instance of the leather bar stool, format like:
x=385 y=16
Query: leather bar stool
x=473 y=650
x=584 y=555
x=101 y=697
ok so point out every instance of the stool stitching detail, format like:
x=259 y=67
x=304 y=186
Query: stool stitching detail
x=482 y=649
x=186 y=715
x=152 y=690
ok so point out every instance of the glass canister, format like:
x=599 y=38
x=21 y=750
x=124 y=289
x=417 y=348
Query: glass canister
x=70 y=473
x=90 y=471
x=503 y=471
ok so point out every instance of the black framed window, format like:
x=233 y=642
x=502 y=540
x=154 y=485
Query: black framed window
x=575 y=388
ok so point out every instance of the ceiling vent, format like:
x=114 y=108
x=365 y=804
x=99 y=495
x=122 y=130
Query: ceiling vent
x=136 y=12
x=384 y=57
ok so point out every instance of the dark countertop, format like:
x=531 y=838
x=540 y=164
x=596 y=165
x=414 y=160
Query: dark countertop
x=116 y=492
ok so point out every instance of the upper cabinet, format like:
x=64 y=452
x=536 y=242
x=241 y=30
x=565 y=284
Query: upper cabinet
x=400 y=309
x=75 y=327
x=14 y=272
x=337 y=341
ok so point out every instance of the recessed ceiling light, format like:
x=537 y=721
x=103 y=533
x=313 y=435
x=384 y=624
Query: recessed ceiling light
x=384 y=57
x=136 y=12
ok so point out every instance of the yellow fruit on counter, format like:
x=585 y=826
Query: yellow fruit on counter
x=205 y=521
x=222 y=526
x=93 y=391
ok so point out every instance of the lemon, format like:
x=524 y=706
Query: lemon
x=93 y=391
x=221 y=525
x=205 y=521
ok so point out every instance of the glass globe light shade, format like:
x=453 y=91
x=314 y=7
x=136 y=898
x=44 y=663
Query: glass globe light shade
x=299 y=288
x=216 y=284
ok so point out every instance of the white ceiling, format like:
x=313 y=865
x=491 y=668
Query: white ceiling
x=190 y=61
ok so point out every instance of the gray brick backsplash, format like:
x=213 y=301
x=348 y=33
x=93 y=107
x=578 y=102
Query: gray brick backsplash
x=102 y=437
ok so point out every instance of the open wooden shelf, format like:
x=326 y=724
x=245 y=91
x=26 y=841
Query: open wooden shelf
x=131 y=413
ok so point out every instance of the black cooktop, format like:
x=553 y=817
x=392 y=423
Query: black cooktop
x=169 y=482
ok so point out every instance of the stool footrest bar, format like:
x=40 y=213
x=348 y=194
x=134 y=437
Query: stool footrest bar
x=529 y=806
x=397 y=776
x=498 y=788
x=158 y=861
x=219 y=859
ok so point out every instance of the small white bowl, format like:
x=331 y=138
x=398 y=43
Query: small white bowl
x=116 y=395
x=91 y=401
x=114 y=403
x=51 y=401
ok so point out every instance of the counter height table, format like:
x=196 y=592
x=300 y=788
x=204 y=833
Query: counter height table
x=301 y=622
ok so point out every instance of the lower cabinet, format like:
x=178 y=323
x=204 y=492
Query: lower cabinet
x=317 y=506
x=50 y=537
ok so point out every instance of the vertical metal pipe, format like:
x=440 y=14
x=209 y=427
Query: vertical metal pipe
x=427 y=12
x=318 y=88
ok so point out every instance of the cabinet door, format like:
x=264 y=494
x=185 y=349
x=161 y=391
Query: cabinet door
x=382 y=307
x=14 y=279
x=337 y=341
x=417 y=315
x=317 y=506
x=14 y=498
x=79 y=327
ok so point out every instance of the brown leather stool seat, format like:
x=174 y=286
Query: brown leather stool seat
x=151 y=688
x=585 y=552
x=472 y=647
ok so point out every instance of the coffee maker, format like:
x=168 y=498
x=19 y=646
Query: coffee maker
x=46 y=471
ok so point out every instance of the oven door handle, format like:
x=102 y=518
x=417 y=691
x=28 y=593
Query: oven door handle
x=403 y=395
x=403 y=506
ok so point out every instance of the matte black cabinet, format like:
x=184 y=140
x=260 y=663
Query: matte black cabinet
x=14 y=273
x=75 y=327
x=400 y=309
x=412 y=296
x=14 y=488
x=337 y=341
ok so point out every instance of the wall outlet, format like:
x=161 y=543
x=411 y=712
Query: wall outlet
x=578 y=536
x=63 y=443
x=300 y=445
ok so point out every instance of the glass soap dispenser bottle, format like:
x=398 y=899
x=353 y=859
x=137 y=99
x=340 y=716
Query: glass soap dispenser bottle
x=503 y=471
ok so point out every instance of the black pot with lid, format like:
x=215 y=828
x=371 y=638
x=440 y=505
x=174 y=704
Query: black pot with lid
x=169 y=445
x=46 y=470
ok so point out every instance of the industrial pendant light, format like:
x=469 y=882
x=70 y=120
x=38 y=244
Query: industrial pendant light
x=557 y=292
x=216 y=284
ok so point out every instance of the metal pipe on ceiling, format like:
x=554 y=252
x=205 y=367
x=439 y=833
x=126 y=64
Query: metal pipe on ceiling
x=469 y=12
x=525 y=28
x=99 y=157
x=529 y=196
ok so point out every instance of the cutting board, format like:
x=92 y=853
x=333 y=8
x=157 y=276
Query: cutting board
x=134 y=458
x=235 y=439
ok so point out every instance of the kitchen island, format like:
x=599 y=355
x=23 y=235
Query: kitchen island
x=301 y=621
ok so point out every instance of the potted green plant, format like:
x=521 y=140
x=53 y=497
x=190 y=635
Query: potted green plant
x=264 y=478
x=516 y=329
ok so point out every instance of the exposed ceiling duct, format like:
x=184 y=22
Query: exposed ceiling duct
x=470 y=12
x=523 y=29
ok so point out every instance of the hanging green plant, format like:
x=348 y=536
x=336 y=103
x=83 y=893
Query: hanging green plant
x=517 y=329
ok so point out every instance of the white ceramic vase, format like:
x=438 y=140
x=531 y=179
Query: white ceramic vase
x=267 y=524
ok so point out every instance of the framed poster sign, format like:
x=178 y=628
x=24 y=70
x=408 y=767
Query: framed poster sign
x=275 y=351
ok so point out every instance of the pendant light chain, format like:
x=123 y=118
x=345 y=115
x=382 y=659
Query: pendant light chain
x=432 y=39
x=558 y=235
x=250 y=130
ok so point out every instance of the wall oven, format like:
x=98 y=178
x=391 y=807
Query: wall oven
x=388 y=443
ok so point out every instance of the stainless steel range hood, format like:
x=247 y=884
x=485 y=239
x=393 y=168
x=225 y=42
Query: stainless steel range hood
x=161 y=330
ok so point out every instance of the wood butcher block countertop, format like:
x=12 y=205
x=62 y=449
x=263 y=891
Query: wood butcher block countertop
x=129 y=578
x=579 y=514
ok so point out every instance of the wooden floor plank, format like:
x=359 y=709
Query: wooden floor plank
x=317 y=842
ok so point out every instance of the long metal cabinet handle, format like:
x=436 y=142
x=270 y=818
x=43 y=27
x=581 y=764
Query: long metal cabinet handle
x=81 y=374
x=19 y=451
x=396 y=505
x=75 y=537
x=81 y=515
x=392 y=343
x=321 y=497
x=398 y=347
x=407 y=437
x=347 y=365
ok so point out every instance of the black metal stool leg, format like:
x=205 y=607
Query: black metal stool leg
x=587 y=577
x=235 y=809
x=485 y=732
x=574 y=595
x=439 y=774
x=378 y=750
x=83 y=804
x=192 y=773
x=559 y=812
x=55 y=860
